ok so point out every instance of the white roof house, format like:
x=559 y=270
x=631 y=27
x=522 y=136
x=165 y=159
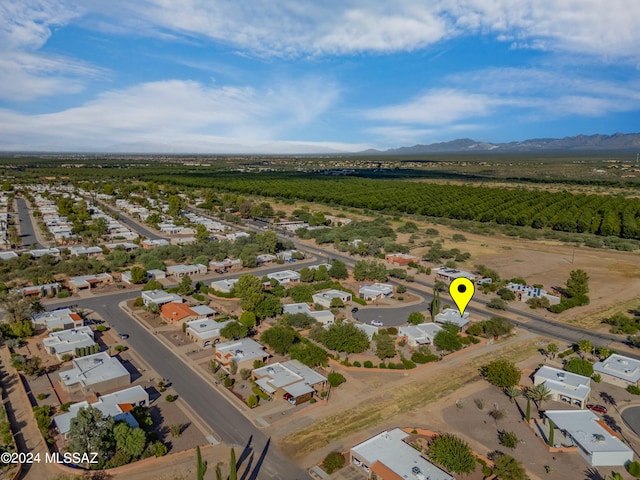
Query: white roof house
x=224 y=286
x=370 y=330
x=325 y=317
x=243 y=351
x=422 y=334
x=296 y=308
x=95 y=373
x=526 y=292
x=324 y=298
x=450 y=274
x=182 y=270
x=204 y=311
x=66 y=341
x=57 y=319
x=285 y=276
x=619 y=370
x=452 y=315
x=597 y=445
x=156 y=274
x=375 y=291
x=159 y=297
x=292 y=377
x=111 y=405
x=387 y=451
x=205 y=331
x=566 y=386
x=8 y=255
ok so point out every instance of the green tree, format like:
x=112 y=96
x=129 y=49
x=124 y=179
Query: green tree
x=502 y=373
x=251 y=292
x=332 y=462
x=508 y=468
x=551 y=432
x=202 y=234
x=320 y=274
x=415 y=318
x=385 y=346
x=506 y=294
x=270 y=306
x=131 y=440
x=16 y=306
x=337 y=303
x=345 y=337
x=512 y=392
x=447 y=340
x=539 y=394
x=33 y=366
x=248 y=319
x=338 y=270
x=579 y=366
x=452 y=453
x=233 y=468
x=298 y=320
x=91 y=432
x=497 y=303
x=552 y=349
x=201 y=465
x=153 y=308
x=280 y=338
x=578 y=283
x=509 y=439
x=434 y=307
x=176 y=205
x=234 y=330
x=584 y=346
x=336 y=379
x=152 y=285
x=185 y=287
x=138 y=275
x=307 y=275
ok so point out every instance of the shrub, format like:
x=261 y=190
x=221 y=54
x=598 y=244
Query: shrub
x=252 y=401
x=501 y=373
x=508 y=439
x=368 y=364
x=65 y=406
x=596 y=377
x=453 y=453
x=312 y=400
x=66 y=357
x=260 y=393
x=408 y=364
x=579 y=366
x=139 y=302
x=332 y=462
x=382 y=365
x=228 y=382
x=634 y=469
x=336 y=379
x=419 y=357
x=42 y=396
x=392 y=331
x=633 y=389
x=170 y=398
x=101 y=328
x=119 y=348
x=64 y=294
x=356 y=364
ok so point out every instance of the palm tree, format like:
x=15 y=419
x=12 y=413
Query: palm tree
x=512 y=393
x=539 y=393
x=552 y=348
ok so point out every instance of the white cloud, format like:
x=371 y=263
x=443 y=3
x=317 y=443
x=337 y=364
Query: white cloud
x=25 y=74
x=299 y=27
x=174 y=113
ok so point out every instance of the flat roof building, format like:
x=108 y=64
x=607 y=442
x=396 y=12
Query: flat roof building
x=290 y=377
x=94 y=374
x=61 y=319
x=65 y=342
x=205 y=331
x=159 y=297
x=243 y=352
x=619 y=370
x=565 y=386
x=389 y=457
x=224 y=286
x=375 y=291
x=452 y=315
x=324 y=298
x=422 y=334
x=285 y=276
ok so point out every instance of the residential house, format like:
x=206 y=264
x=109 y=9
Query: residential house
x=265 y=258
x=452 y=315
x=204 y=311
x=176 y=312
x=619 y=370
x=41 y=252
x=596 y=442
x=564 y=386
x=46 y=290
x=243 y=352
x=376 y=291
x=401 y=259
x=156 y=274
x=205 y=332
x=224 y=286
x=525 y=292
x=148 y=244
x=449 y=274
x=94 y=374
x=292 y=377
x=89 y=281
x=117 y=405
x=61 y=319
x=87 y=251
x=159 y=297
x=369 y=330
x=287 y=255
x=324 y=298
x=65 y=342
x=226 y=264
x=232 y=237
x=8 y=255
x=387 y=456
x=285 y=276
x=417 y=335
x=182 y=270
x=325 y=317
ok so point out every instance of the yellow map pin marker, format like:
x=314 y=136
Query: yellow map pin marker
x=461 y=290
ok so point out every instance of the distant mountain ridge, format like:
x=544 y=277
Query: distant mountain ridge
x=617 y=141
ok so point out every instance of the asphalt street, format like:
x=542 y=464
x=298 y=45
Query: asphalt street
x=263 y=461
x=136 y=227
x=27 y=232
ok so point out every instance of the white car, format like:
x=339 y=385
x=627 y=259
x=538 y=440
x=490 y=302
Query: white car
x=377 y=323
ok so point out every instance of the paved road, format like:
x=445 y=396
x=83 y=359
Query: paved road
x=135 y=226
x=213 y=408
x=27 y=231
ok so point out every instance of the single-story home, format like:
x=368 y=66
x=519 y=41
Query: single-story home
x=65 y=342
x=156 y=274
x=401 y=258
x=324 y=298
x=266 y=258
x=205 y=331
x=89 y=281
x=49 y=289
x=291 y=377
x=224 y=286
x=449 y=274
x=526 y=292
x=176 y=312
x=285 y=276
x=60 y=319
x=88 y=251
x=389 y=457
x=422 y=334
x=375 y=291
x=325 y=317
x=148 y=244
x=204 y=311
x=159 y=297
x=596 y=442
x=243 y=352
x=452 y=315
x=94 y=374
x=564 y=386
x=619 y=370
x=182 y=270
x=370 y=330
x=117 y=405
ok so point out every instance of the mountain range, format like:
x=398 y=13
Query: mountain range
x=617 y=141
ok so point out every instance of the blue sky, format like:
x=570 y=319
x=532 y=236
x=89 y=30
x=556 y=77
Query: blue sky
x=297 y=76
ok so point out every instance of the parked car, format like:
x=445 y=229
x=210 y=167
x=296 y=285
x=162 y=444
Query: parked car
x=377 y=323
x=354 y=310
x=123 y=335
x=597 y=408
